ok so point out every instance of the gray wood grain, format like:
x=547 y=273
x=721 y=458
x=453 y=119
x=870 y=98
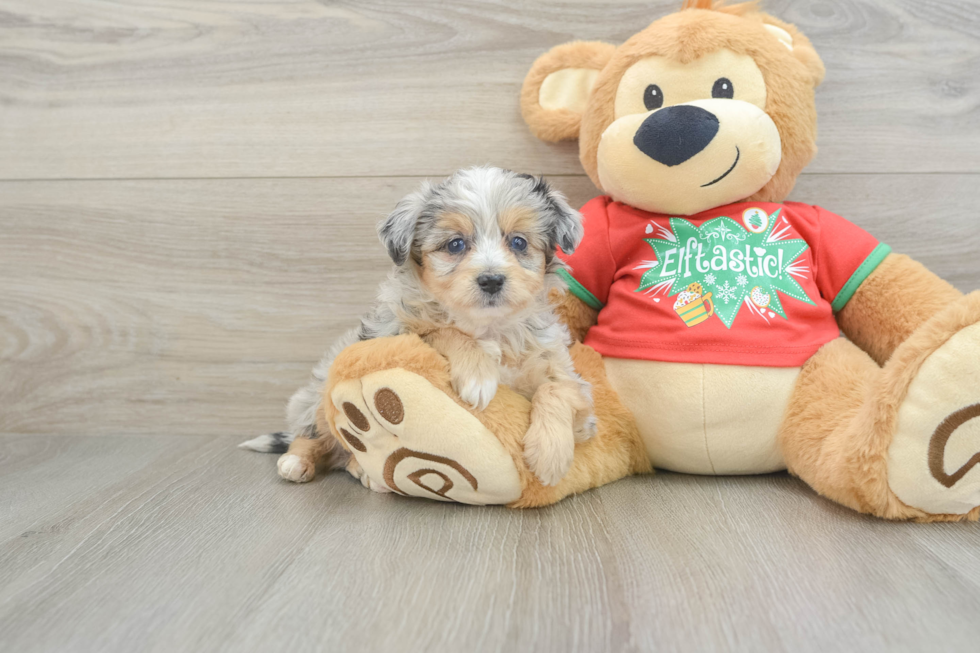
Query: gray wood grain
x=197 y=306
x=192 y=545
x=301 y=88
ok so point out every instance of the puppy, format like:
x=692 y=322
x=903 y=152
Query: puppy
x=474 y=261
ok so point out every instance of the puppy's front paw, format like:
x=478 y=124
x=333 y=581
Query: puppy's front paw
x=476 y=392
x=475 y=380
x=293 y=468
x=548 y=450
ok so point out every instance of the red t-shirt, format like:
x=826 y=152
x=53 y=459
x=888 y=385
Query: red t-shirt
x=753 y=283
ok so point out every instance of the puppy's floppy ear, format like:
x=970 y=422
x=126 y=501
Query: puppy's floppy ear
x=398 y=230
x=556 y=89
x=565 y=228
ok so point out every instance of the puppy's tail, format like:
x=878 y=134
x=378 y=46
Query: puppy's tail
x=269 y=443
x=303 y=408
x=301 y=415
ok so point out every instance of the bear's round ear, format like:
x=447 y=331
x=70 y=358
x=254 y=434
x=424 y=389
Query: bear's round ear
x=799 y=45
x=556 y=89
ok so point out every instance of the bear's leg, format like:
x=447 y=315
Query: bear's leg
x=901 y=441
x=392 y=402
x=821 y=434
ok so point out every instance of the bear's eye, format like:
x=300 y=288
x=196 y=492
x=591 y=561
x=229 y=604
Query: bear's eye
x=723 y=88
x=653 y=97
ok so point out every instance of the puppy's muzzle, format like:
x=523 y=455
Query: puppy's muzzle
x=491 y=284
x=673 y=135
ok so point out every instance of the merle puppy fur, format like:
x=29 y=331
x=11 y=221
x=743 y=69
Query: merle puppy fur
x=474 y=261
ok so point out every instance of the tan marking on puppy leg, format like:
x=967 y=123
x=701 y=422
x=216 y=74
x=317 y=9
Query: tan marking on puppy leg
x=305 y=456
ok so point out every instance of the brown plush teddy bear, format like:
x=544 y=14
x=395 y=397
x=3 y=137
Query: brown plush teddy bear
x=710 y=309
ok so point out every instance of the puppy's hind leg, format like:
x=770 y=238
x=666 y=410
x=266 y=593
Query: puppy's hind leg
x=301 y=415
x=314 y=446
x=306 y=456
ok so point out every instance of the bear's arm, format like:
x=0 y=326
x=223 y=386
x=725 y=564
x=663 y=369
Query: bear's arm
x=895 y=300
x=574 y=313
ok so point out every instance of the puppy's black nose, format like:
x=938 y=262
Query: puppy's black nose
x=674 y=134
x=491 y=283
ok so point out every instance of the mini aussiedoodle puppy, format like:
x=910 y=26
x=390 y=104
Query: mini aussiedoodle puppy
x=474 y=263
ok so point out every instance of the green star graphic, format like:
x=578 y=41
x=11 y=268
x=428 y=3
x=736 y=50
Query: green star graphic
x=722 y=250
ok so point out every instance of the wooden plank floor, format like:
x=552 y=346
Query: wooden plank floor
x=182 y=543
x=188 y=192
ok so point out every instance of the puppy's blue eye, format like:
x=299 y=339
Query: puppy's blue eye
x=456 y=246
x=518 y=244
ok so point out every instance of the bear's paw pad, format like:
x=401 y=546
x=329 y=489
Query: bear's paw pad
x=411 y=438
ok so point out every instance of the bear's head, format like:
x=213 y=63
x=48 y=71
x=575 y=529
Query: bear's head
x=708 y=106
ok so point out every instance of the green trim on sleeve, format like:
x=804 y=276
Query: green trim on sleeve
x=579 y=290
x=874 y=259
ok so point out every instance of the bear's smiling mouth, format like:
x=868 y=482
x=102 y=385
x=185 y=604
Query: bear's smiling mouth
x=737 y=155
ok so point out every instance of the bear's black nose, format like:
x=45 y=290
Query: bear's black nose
x=491 y=283
x=674 y=134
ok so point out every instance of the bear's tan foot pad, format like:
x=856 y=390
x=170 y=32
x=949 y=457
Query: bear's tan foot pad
x=934 y=456
x=412 y=439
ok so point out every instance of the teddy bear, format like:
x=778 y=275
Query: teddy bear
x=707 y=309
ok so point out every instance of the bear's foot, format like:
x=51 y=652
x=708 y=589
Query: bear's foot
x=933 y=460
x=410 y=438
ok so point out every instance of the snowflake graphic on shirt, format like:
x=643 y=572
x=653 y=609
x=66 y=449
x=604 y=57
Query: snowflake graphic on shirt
x=726 y=293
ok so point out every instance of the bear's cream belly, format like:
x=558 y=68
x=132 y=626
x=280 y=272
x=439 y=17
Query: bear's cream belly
x=706 y=419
